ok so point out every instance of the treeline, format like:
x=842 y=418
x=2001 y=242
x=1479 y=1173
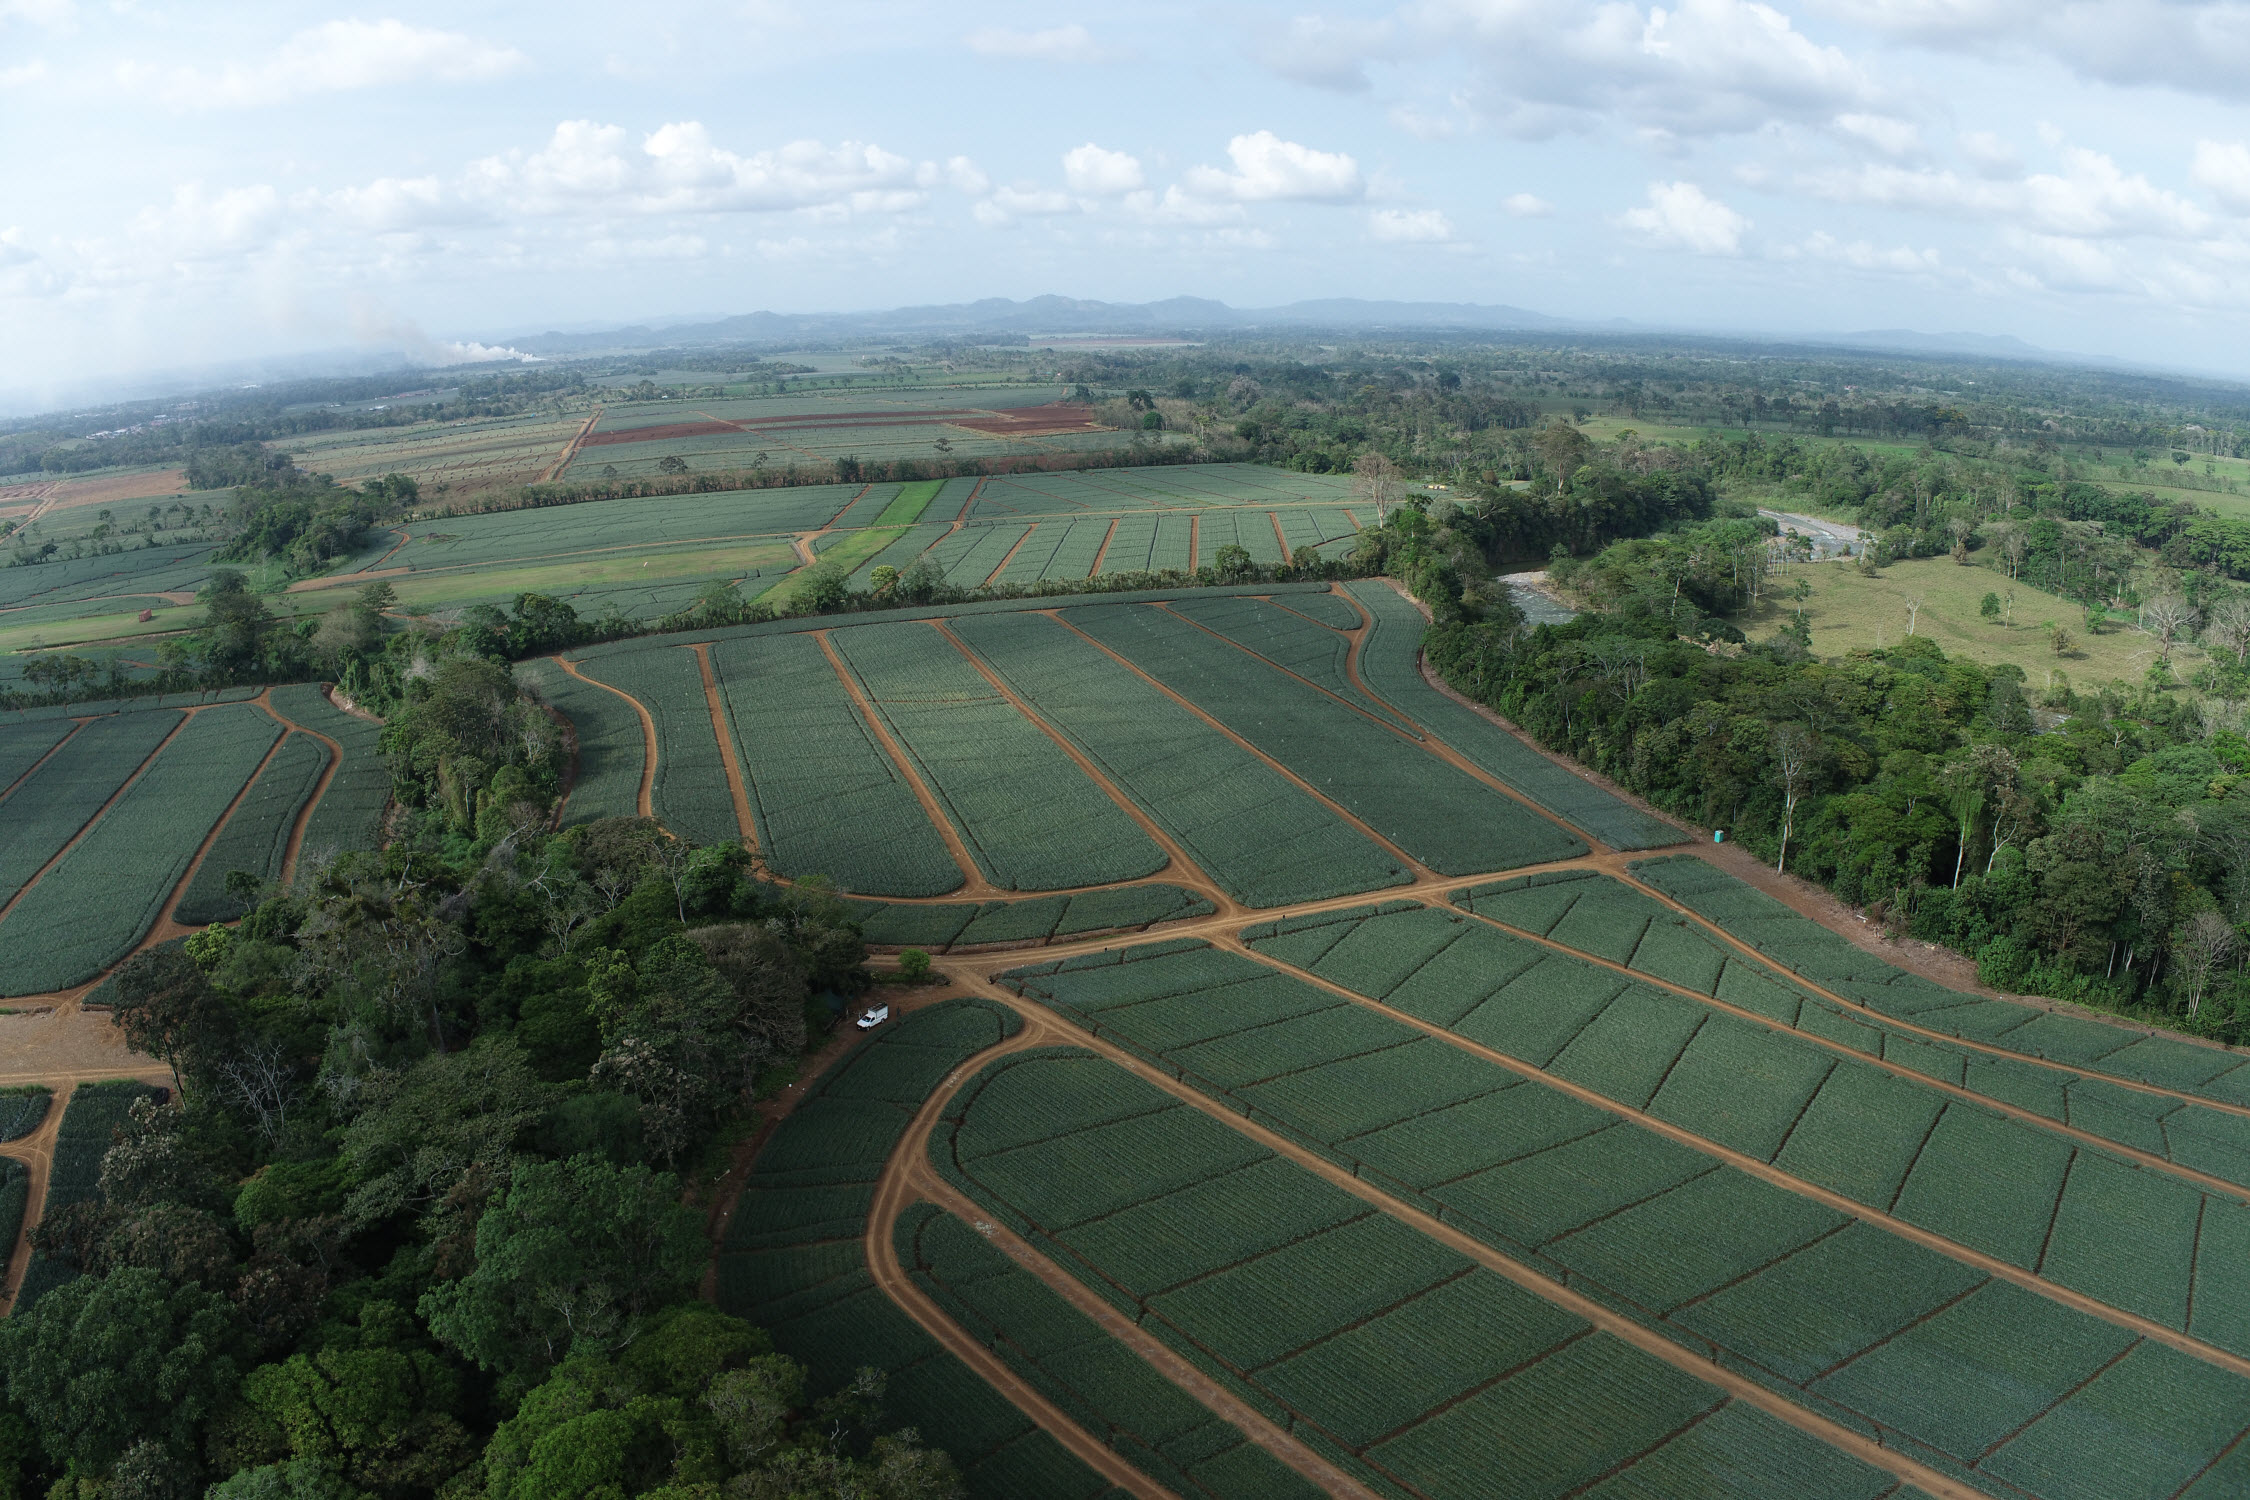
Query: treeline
x=411 y=1221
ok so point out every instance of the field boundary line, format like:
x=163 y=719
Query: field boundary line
x=1280 y=537
x=974 y=882
x=570 y=449
x=1939 y=1485
x=167 y=925
x=1843 y=1051
x=1350 y=820
x=77 y=727
x=1195 y=538
x=857 y=496
x=722 y=729
x=1103 y=550
x=1953 y=1250
x=37 y=1152
x=303 y=820
x=1185 y=869
x=1012 y=551
x=646 y=802
x=100 y=812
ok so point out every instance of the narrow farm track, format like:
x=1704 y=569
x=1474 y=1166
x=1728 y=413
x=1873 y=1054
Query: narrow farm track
x=166 y=926
x=1182 y=870
x=994 y=575
x=647 y=799
x=37 y=1152
x=908 y=1177
x=730 y=760
x=1934 y=1483
x=570 y=449
x=1991 y=1265
x=974 y=884
x=320 y=789
x=1103 y=550
x=86 y=827
x=1421 y=871
x=78 y=727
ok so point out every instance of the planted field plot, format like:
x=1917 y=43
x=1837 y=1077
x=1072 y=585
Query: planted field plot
x=23 y=1109
x=794 y=1260
x=969 y=924
x=1328 y=530
x=612 y=751
x=690 y=795
x=1030 y=817
x=2094 y=1223
x=468 y=455
x=15 y=1201
x=972 y=555
x=1265 y=841
x=828 y=799
x=1064 y=550
x=1406 y=1364
x=1803 y=946
x=1291 y=641
x=255 y=839
x=142 y=570
x=47 y=808
x=1433 y=811
x=88 y=1125
x=900 y=551
x=1595 y=914
x=1251 y=530
x=1149 y=544
x=349 y=814
x=1390 y=659
x=1184 y=487
x=1066 y=1357
x=95 y=902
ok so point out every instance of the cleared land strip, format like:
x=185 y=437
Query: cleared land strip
x=1932 y=1481
x=729 y=760
x=1989 y=1264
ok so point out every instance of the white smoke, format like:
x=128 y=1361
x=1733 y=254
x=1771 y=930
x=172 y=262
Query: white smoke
x=373 y=324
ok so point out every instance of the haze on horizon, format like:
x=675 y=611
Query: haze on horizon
x=192 y=185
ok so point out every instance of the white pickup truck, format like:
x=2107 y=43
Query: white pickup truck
x=873 y=1018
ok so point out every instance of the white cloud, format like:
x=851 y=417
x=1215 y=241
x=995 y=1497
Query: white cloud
x=678 y=168
x=333 y=58
x=2091 y=198
x=1056 y=44
x=1327 y=54
x=2224 y=169
x=1268 y=169
x=22 y=73
x=2200 y=48
x=39 y=12
x=1990 y=155
x=23 y=272
x=1101 y=173
x=1861 y=255
x=1527 y=206
x=199 y=225
x=1033 y=201
x=1679 y=215
x=1404 y=226
x=962 y=175
x=1886 y=133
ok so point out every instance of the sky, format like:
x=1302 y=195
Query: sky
x=192 y=184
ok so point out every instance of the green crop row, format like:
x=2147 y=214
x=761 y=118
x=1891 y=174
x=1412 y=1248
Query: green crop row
x=23 y=1109
x=349 y=814
x=1404 y=1363
x=612 y=751
x=598 y=525
x=1291 y=641
x=1994 y=1184
x=256 y=838
x=1170 y=488
x=1804 y=1299
x=15 y=1199
x=21 y=746
x=794 y=1258
x=1149 y=544
x=967 y=924
x=1827 y=959
x=89 y=1125
x=1065 y=1356
x=690 y=793
x=47 y=810
x=1261 y=838
x=1030 y=817
x=1390 y=658
x=1058 y=549
x=827 y=798
x=1435 y=812
x=143 y=570
x=1596 y=914
x=96 y=901
x=973 y=554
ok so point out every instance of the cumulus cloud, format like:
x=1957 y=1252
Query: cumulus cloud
x=1527 y=206
x=1404 y=226
x=1033 y=201
x=2091 y=198
x=679 y=169
x=1326 y=53
x=199 y=224
x=1268 y=169
x=1681 y=216
x=2196 y=48
x=333 y=58
x=1886 y=133
x=2224 y=169
x=1055 y=44
x=1101 y=173
x=1861 y=255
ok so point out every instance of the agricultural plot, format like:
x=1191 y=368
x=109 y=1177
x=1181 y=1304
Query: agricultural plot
x=1728 y=1265
x=1251 y=530
x=1184 y=487
x=794 y=1260
x=1065 y=550
x=95 y=902
x=88 y=1123
x=2084 y=1220
x=612 y=751
x=690 y=795
x=1804 y=947
x=972 y=555
x=1595 y=914
x=1149 y=544
x=1436 y=813
x=23 y=1109
x=255 y=839
x=1030 y=817
x=900 y=552
x=1407 y=1365
x=827 y=798
x=15 y=1200
x=1290 y=640
x=1390 y=659
x=47 y=809
x=349 y=814
x=1066 y=1357
x=180 y=568
x=464 y=456
x=969 y=924
x=1265 y=841
x=1327 y=530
